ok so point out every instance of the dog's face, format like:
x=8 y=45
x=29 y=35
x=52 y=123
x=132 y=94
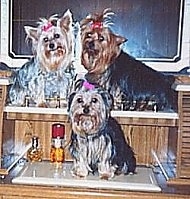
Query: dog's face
x=52 y=41
x=88 y=110
x=100 y=46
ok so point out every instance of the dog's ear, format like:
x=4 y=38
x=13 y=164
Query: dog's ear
x=31 y=33
x=108 y=99
x=71 y=96
x=120 y=39
x=78 y=84
x=66 y=21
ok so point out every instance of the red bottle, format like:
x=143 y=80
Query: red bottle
x=57 y=154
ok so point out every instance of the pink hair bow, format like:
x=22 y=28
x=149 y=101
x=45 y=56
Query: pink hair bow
x=88 y=86
x=47 y=26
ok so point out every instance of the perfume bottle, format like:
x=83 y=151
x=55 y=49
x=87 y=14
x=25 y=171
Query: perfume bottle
x=34 y=154
x=57 y=153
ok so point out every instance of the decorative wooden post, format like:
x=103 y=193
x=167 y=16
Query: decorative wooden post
x=3 y=93
x=183 y=146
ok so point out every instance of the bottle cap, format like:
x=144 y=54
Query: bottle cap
x=58 y=130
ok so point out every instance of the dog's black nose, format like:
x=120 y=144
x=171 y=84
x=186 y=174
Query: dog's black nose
x=51 y=45
x=86 y=110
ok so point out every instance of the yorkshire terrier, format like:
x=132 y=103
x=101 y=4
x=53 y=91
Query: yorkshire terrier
x=48 y=75
x=97 y=140
x=132 y=83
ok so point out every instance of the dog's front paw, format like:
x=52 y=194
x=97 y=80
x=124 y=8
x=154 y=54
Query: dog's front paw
x=105 y=176
x=106 y=173
x=42 y=105
x=80 y=172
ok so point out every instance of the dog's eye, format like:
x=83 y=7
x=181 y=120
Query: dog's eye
x=94 y=100
x=101 y=38
x=45 y=39
x=88 y=35
x=79 y=100
x=56 y=36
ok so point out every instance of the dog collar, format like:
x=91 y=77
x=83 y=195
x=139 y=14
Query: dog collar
x=86 y=136
x=91 y=136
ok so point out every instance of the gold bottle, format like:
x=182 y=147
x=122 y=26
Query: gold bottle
x=57 y=152
x=34 y=154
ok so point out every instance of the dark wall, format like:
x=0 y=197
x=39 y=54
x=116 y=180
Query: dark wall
x=153 y=28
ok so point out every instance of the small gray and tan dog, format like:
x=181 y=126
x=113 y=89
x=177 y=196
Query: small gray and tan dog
x=97 y=140
x=49 y=73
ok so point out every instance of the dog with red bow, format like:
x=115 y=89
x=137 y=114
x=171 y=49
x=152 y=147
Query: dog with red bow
x=97 y=141
x=48 y=76
x=132 y=84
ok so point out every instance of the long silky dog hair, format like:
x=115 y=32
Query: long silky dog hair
x=93 y=129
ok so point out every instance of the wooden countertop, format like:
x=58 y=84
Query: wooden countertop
x=29 y=192
x=124 y=117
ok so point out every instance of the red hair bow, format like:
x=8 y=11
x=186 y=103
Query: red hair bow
x=96 y=25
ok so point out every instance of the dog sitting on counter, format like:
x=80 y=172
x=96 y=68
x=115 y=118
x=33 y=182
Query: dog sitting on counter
x=46 y=79
x=132 y=84
x=97 y=140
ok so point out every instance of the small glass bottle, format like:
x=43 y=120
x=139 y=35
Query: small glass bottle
x=57 y=154
x=34 y=154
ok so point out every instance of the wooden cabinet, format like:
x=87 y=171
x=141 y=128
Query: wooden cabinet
x=167 y=134
x=3 y=93
x=144 y=133
x=183 y=154
x=36 y=192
